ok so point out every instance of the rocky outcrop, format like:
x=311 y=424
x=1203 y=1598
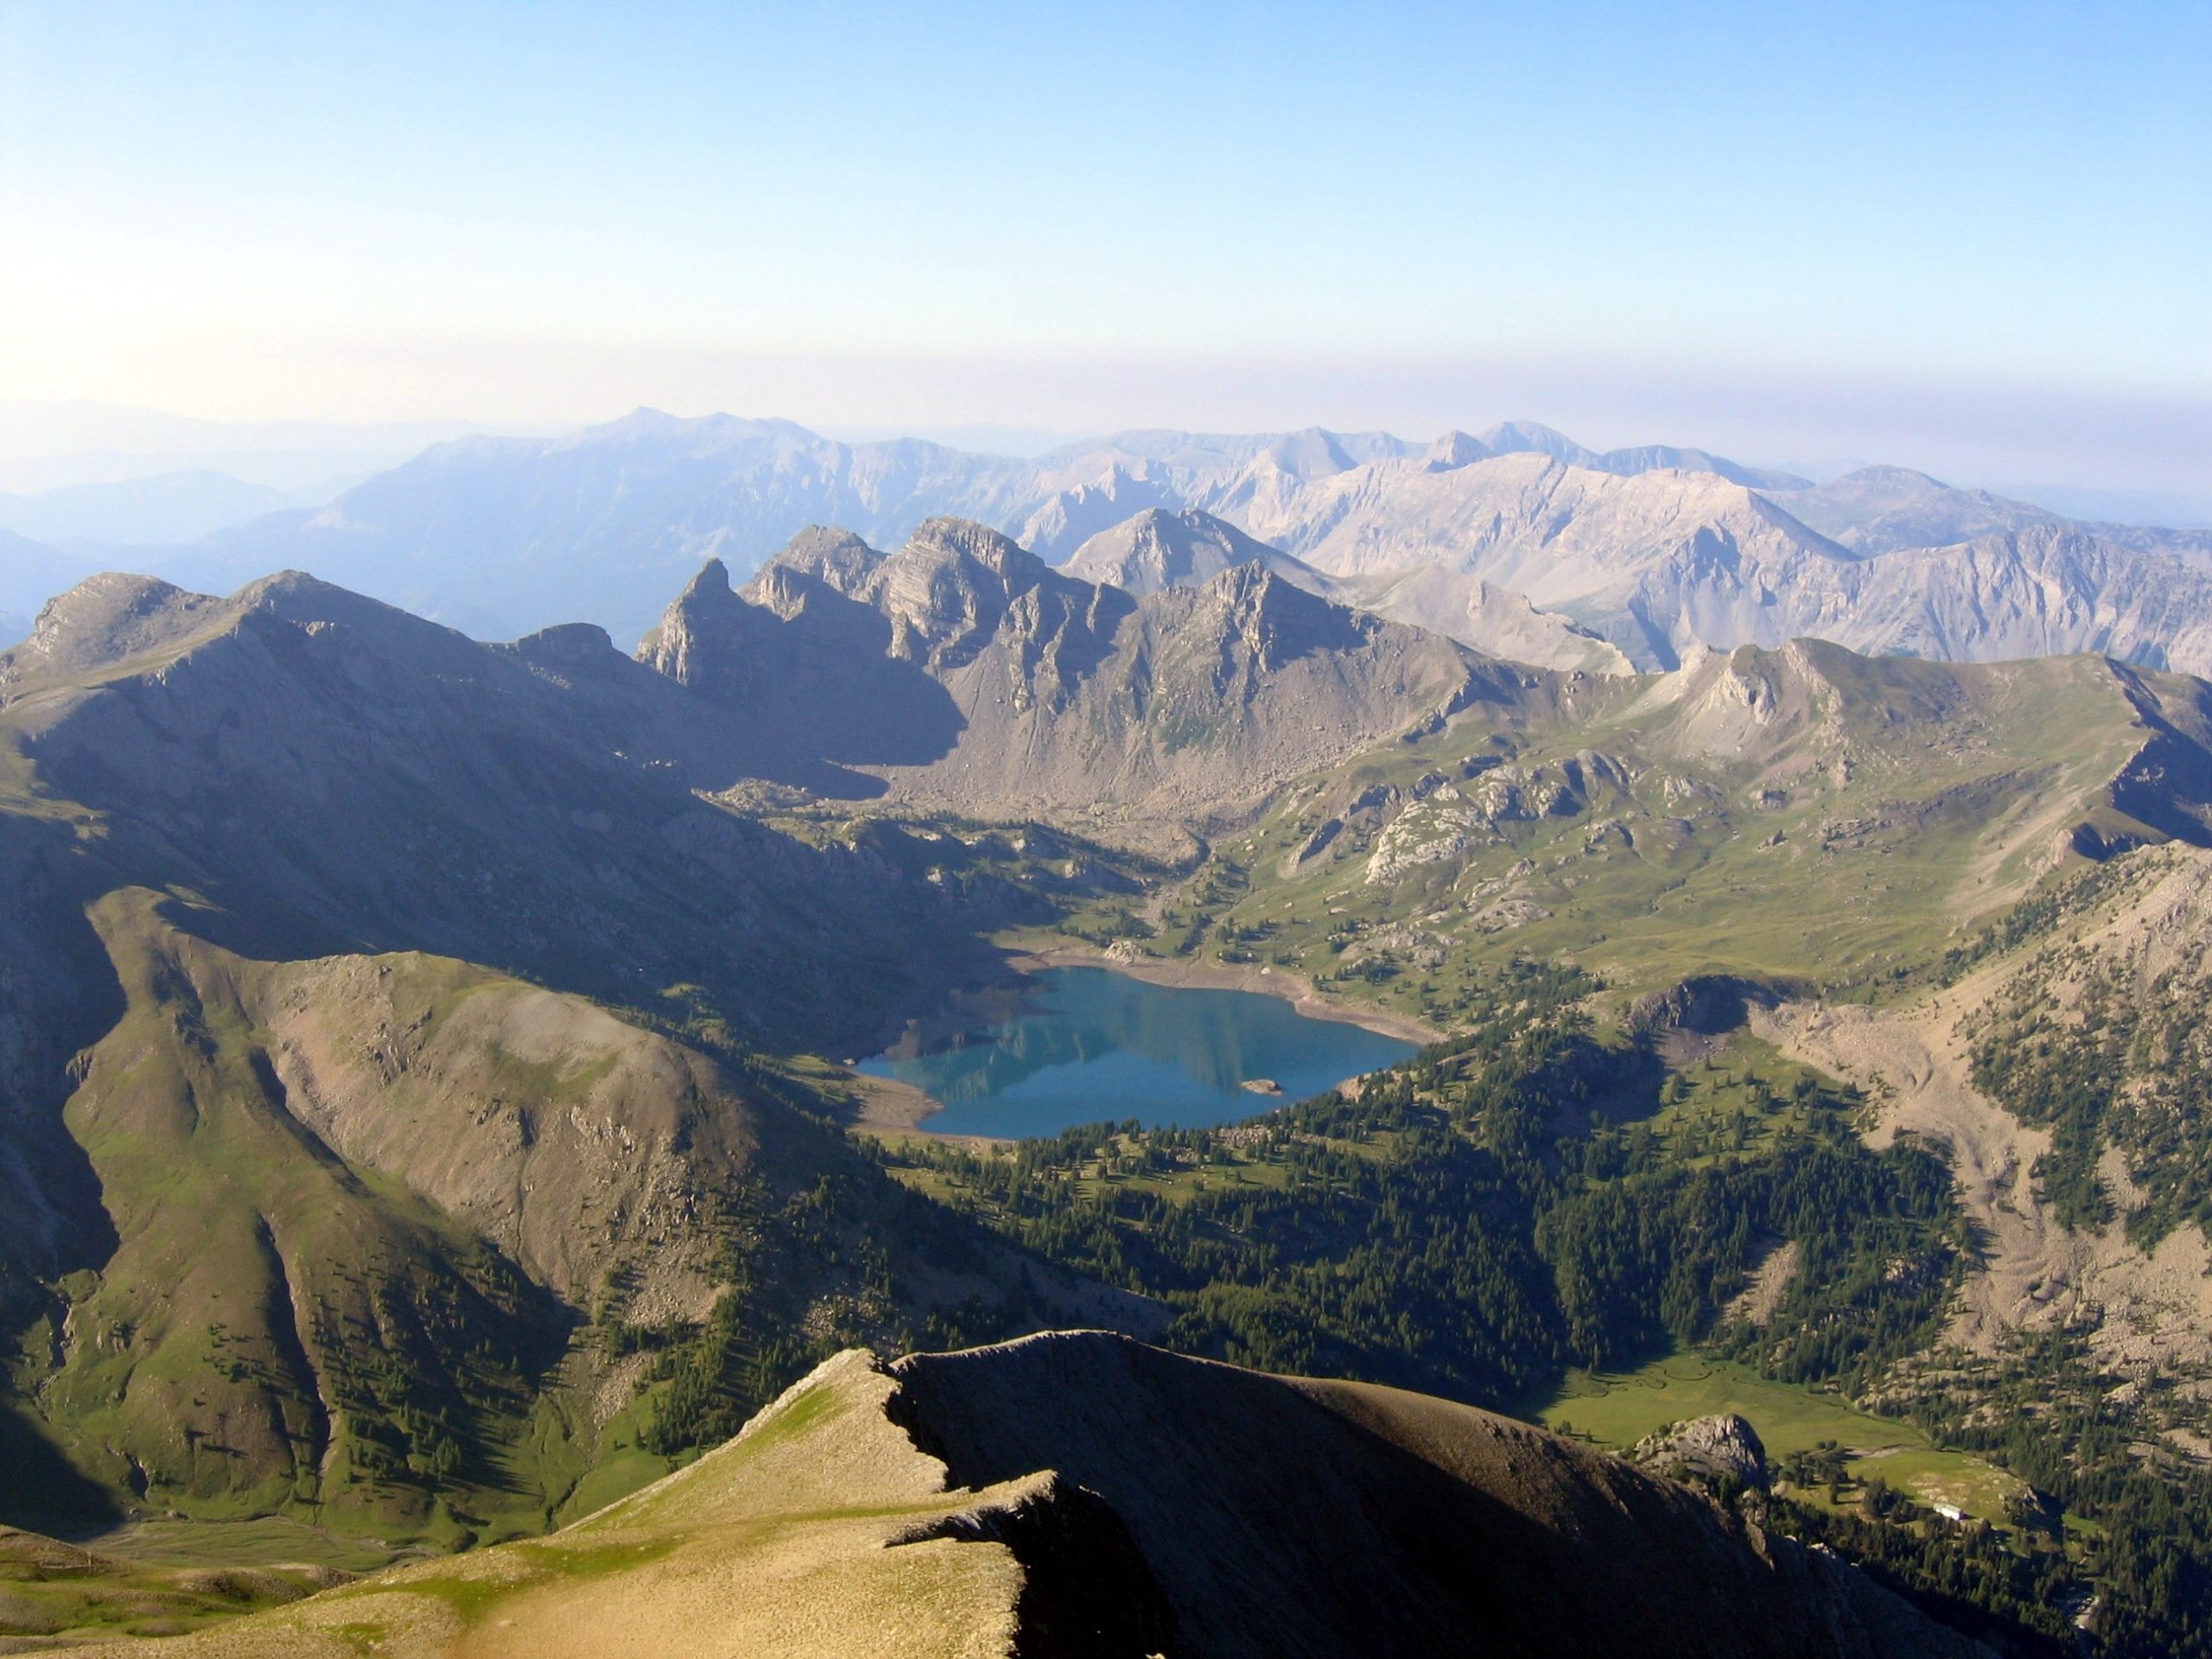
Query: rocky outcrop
x=1708 y=1004
x=1723 y=1447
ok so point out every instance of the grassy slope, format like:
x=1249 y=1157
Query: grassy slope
x=51 y=1592
x=772 y=1544
x=406 y=1249
x=275 y=1327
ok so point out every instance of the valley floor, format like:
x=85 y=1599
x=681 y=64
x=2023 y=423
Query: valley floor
x=1614 y=1410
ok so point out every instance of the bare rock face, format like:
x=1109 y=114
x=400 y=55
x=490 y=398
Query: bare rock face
x=1723 y=1447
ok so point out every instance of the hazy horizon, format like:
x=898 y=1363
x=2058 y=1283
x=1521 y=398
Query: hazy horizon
x=1971 y=243
x=67 y=443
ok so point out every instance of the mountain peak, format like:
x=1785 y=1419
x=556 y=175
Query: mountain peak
x=105 y=620
x=713 y=578
x=964 y=538
x=1454 y=450
x=1157 y=549
x=836 y=556
x=1532 y=437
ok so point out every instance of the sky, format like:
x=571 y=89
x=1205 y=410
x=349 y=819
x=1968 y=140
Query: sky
x=1976 y=237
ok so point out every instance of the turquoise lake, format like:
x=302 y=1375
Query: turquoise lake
x=1086 y=1045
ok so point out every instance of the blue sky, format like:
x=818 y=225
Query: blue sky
x=1792 y=230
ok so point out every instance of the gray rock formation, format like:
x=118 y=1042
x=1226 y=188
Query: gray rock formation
x=1157 y=550
x=1722 y=1447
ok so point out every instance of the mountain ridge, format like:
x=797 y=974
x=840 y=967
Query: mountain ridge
x=896 y=1507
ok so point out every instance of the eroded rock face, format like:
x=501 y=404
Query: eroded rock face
x=1720 y=1447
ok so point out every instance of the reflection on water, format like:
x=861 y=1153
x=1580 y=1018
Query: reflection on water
x=1086 y=1045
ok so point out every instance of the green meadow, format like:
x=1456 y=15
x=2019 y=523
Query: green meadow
x=1616 y=1409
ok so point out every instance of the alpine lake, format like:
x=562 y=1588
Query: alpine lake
x=1077 y=1046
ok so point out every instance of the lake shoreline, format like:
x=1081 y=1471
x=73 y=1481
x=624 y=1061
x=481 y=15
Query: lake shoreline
x=889 y=1109
x=1261 y=977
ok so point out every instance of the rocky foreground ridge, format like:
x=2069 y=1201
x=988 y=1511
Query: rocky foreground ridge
x=1081 y=1494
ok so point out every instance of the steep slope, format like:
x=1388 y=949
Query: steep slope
x=532 y=807
x=304 y=1210
x=1029 y=690
x=1661 y=562
x=1574 y=540
x=1081 y=1494
x=2064 y=1073
x=2046 y=589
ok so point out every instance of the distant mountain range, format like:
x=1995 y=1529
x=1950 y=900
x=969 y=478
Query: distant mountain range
x=167 y=508
x=1160 y=549
x=1519 y=541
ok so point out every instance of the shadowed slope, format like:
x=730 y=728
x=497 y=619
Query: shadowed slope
x=1288 y=1517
